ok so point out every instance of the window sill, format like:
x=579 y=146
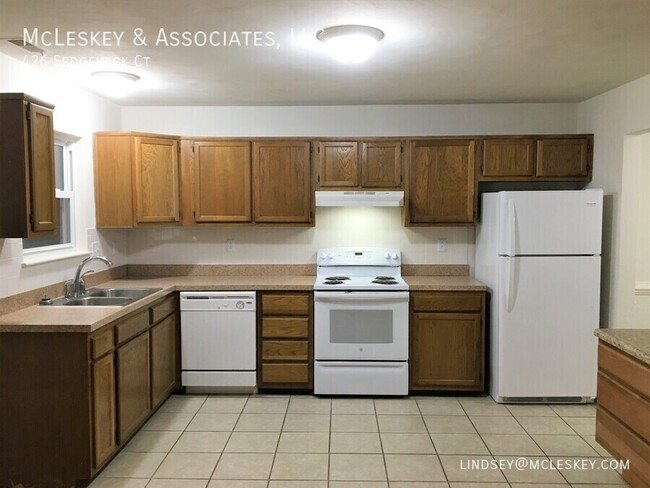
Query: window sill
x=35 y=259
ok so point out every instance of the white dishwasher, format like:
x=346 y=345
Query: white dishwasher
x=218 y=341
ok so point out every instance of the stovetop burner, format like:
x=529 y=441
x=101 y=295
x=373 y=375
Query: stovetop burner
x=337 y=278
x=389 y=281
x=385 y=278
x=332 y=282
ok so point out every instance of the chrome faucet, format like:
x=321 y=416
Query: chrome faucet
x=76 y=288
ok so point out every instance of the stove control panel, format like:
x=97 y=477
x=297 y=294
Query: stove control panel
x=353 y=256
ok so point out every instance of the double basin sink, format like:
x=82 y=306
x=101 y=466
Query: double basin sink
x=106 y=297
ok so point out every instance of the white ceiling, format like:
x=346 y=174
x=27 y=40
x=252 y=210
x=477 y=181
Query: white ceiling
x=434 y=51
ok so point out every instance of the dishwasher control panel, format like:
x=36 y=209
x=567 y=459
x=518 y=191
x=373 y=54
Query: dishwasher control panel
x=215 y=300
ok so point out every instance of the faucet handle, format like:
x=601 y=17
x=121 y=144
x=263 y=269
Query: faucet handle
x=82 y=282
x=69 y=288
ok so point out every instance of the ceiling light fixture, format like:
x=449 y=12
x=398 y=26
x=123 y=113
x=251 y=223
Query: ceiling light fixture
x=350 y=43
x=115 y=84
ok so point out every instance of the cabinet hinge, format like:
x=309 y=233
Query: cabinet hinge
x=194 y=215
x=401 y=179
x=31 y=219
x=28 y=112
x=318 y=178
x=319 y=149
x=401 y=149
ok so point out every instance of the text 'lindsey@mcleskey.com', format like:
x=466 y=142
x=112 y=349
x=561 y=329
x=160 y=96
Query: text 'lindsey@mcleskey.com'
x=523 y=463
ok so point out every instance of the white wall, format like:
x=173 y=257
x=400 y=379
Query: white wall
x=80 y=113
x=617 y=118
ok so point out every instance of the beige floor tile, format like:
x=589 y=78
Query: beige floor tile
x=252 y=442
x=310 y=405
x=168 y=421
x=187 y=465
x=440 y=406
x=119 y=483
x=511 y=444
x=183 y=404
x=177 y=483
x=357 y=467
x=297 y=484
x=458 y=468
x=354 y=423
x=459 y=444
x=414 y=467
x=545 y=425
x=396 y=407
x=358 y=484
x=133 y=465
x=587 y=410
x=419 y=484
x=539 y=485
x=564 y=445
x=306 y=422
x=582 y=425
x=401 y=423
x=152 y=441
x=237 y=484
x=596 y=485
x=591 y=440
x=353 y=406
x=201 y=442
x=355 y=442
x=449 y=424
x=266 y=405
x=542 y=473
x=299 y=466
x=486 y=399
x=531 y=411
x=308 y=442
x=482 y=408
x=395 y=443
x=237 y=466
x=497 y=425
x=224 y=404
x=459 y=484
x=213 y=422
x=589 y=474
x=258 y=422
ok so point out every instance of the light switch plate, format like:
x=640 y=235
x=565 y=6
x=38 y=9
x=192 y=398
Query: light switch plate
x=442 y=245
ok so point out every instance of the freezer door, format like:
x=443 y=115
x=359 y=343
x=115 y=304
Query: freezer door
x=544 y=340
x=550 y=222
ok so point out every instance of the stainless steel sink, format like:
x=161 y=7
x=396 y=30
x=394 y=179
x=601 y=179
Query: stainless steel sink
x=96 y=302
x=105 y=297
x=134 y=293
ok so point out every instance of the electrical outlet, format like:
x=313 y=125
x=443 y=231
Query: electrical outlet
x=230 y=245
x=442 y=245
x=95 y=248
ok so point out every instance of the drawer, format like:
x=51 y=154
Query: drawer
x=132 y=326
x=285 y=373
x=285 y=327
x=447 y=302
x=629 y=408
x=101 y=343
x=285 y=350
x=285 y=304
x=163 y=308
x=625 y=368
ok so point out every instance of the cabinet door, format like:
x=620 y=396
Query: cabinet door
x=156 y=180
x=132 y=385
x=381 y=164
x=282 y=182
x=163 y=360
x=447 y=351
x=338 y=164
x=441 y=182
x=222 y=182
x=42 y=185
x=507 y=157
x=562 y=157
x=103 y=405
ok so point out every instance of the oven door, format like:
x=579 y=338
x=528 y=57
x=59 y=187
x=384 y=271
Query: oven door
x=369 y=326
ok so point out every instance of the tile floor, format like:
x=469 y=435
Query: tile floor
x=199 y=441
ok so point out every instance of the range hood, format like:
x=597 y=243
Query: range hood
x=359 y=198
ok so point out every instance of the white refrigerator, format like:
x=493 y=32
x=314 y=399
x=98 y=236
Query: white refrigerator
x=539 y=254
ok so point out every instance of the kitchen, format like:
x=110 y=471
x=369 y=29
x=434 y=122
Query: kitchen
x=614 y=111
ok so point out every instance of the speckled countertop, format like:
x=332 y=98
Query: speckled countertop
x=635 y=342
x=81 y=319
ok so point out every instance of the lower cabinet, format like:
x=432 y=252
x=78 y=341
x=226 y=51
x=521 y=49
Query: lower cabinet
x=447 y=341
x=164 y=366
x=103 y=409
x=132 y=385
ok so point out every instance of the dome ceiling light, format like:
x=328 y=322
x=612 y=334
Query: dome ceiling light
x=115 y=84
x=350 y=43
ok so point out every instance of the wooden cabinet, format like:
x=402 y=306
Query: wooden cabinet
x=222 y=181
x=164 y=367
x=28 y=186
x=441 y=185
x=447 y=341
x=338 y=164
x=381 y=164
x=136 y=180
x=103 y=409
x=282 y=182
x=285 y=349
x=508 y=157
x=566 y=157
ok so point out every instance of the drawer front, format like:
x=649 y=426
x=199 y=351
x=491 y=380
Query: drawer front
x=132 y=326
x=285 y=304
x=285 y=350
x=101 y=343
x=624 y=368
x=631 y=409
x=164 y=308
x=285 y=327
x=447 y=302
x=285 y=373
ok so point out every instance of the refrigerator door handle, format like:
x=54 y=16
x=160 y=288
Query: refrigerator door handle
x=510 y=283
x=512 y=228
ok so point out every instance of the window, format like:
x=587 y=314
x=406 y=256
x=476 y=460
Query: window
x=64 y=239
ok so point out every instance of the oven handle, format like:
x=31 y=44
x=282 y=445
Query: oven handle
x=380 y=296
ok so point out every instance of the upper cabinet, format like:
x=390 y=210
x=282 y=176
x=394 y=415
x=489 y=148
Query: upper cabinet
x=136 y=180
x=282 y=182
x=441 y=184
x=359 y=164
x=566 y=157
x=28 y=187
x=508 y=157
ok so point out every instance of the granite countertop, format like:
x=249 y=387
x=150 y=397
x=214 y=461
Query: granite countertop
x=88 y=319
x=635 y=342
